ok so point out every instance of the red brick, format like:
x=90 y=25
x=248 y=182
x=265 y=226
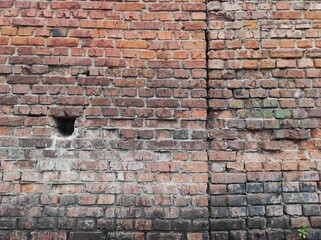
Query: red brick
x=6 y=4
x=129 y=7
x=164 y=7
x=28 y=22
x=96 y=5
x=302 y=176
x=62 y=23
x=72 y=101
x=264 y=176
x=132 y=44
x=65 y=5
x=311 y=15
x=195 y=167
x=62 y=42
x=10 y=31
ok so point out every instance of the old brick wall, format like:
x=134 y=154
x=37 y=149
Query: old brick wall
x=264 y=80
x=133 y=74
x=193 y=120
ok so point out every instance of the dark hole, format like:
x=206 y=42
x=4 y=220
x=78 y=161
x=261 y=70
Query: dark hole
x=59 y=32
x=65 y=125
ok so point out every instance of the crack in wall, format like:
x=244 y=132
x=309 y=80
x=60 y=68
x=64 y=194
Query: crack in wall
x=208 y=190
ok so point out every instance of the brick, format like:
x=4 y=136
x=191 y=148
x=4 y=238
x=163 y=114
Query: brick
x=257 y=199
x=24 y=60
x=228 y=224
x=256 y=211
x=301 y=197
x=254 y=187
x=11 y=121
x=256 y=223
x=308 y=187
x=315 y=221
x=96 y=5
x=264 y=176
x=84 y=235
x=28 y=22
x=293 y=209
x=8 y=223
x=301 y=176
x=278 y=222
x=274 y=210
x=6 y=4
x=84 y=211
x=195 y=167
x=62 y=42
x=228 y=177
x=311 y=210
x=222 y=156
x=291 y=134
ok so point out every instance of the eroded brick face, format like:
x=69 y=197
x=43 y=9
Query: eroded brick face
x=193 y=120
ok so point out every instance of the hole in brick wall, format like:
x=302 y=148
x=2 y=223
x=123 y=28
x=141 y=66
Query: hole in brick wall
x=59 y=32
x=65 y=125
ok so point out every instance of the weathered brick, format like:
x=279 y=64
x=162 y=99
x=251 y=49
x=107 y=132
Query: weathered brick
x=228 y=224
x=83 y=235
x=293 y=209
x=228 y=177
x=256 y=223
x=256 y=211
x=8 y=223
x=301 y=176
x=257 y=199
x=28 y=22
x=11 y=121
x=264 y=176
x=311 y=210
x=278 y=222
x=291 y=134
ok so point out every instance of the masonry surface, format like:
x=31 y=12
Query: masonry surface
x=160 y=119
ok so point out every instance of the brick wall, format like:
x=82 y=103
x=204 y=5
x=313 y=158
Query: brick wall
x=132 y=75
x=123 y=120
x=264 y=80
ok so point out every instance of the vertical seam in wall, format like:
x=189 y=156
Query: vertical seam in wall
x=208 y=190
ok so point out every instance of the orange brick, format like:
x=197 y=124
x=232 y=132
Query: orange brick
x=164 y=35
x=252 y=44
x=9 y=31
x=286 y=15
x=250 y=24
x=180 y=55
x=252 y=64
x=132 y=44
x=147 y=54
x=62 y=42
x=4 y=40
x=25 y=31
x=312 y=15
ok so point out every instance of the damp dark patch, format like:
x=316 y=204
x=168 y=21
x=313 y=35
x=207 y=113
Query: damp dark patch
x=65 y=125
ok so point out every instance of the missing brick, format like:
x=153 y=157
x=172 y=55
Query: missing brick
x=59 y=32
x=65 y=125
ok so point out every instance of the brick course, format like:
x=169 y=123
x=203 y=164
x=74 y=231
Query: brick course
x=193 y=119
